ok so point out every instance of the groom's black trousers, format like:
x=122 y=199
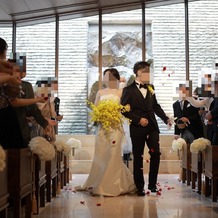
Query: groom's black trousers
x=138 y=144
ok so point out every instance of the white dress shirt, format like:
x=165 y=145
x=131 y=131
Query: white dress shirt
x=142 y=90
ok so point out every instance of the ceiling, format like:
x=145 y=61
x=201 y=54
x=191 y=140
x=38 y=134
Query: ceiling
x=33 y=10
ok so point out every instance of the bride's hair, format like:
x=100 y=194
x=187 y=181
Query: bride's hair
x=114 y=72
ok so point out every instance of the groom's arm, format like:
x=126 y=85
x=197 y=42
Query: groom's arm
x=127 y=98
x=158 y=109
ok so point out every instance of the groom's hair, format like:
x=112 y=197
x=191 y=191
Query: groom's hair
x=114 y=72
x=140 y=65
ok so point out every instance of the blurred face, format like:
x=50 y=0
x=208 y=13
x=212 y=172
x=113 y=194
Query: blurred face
x=16 y=70
x=110 y=81
x=144 y=75
x=214 y=84
x=206 y=81
x=183 y=91
x=47 y=88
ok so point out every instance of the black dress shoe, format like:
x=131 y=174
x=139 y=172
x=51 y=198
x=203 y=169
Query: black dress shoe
x=153 y=189
x=141 y=192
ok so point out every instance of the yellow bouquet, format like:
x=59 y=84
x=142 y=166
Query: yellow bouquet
x=108 y=113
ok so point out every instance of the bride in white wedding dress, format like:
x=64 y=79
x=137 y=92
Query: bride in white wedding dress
x=109 y=176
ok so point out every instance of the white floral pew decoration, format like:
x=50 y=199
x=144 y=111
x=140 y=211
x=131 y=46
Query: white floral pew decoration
x=41 y=147
x=178 y=144
x=199 y=144
x=67 y=146
x=62 y=146
x=2 y=158
x=74 y=143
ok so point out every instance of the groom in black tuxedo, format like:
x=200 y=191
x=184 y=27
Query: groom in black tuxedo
x=144 y=128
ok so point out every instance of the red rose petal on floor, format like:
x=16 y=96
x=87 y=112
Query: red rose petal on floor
x=160 y=190
x=82 y=202
x=168 y=75
x=113 y=142
x=164 y=68
x=98 y=204
x=147 y=193
x=159 y=193
x=168 y=188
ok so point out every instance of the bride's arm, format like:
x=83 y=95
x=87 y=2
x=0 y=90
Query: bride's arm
x=97 y=98
x=120 y=92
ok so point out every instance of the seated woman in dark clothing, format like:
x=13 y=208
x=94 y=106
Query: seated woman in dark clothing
x=10 y=134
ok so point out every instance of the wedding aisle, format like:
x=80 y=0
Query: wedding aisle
x=174 y=200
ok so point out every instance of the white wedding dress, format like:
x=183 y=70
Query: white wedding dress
x=109 y=176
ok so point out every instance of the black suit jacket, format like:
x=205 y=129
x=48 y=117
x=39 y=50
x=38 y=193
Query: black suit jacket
x=32 y=110
x=214 y=111
x=142 y=108
x=190 y=112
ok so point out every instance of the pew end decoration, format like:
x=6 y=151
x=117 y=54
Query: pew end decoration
x=74 y=143
x=63 y=146
x=41 y=147
x=199 y=144
x=178 y=144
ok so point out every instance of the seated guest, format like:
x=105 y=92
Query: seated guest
x=187 y=115
x=46 y=87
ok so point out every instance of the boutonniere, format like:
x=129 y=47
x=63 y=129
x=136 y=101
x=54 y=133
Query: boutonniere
x=150 y=89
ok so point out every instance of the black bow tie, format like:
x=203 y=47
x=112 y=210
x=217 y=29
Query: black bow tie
x=142 y=86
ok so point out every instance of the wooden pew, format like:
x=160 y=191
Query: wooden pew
x=39 y=178
x=196 y=170
x=60 y=164
x=20 y=180
x=51 y=178
x=4 y=191
x=66 y=170
x=211 y=171
x=186 y=164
